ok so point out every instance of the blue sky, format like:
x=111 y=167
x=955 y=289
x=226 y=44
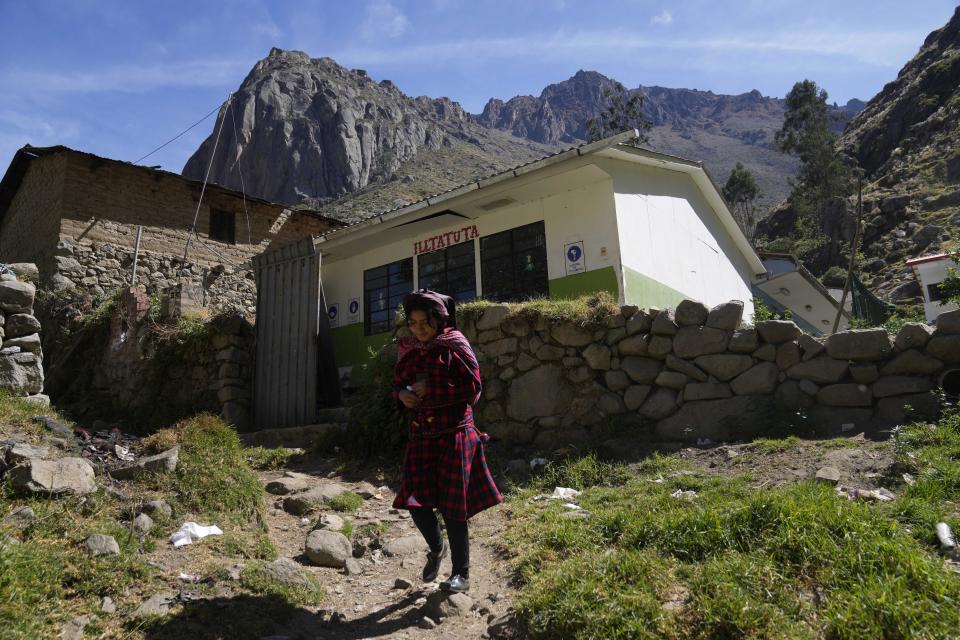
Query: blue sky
x=120 y=77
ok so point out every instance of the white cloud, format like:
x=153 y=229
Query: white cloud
x=384 y=19
x=664 y=18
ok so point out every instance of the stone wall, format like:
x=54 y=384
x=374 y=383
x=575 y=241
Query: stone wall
x=150 y=374
x=693 y=373
x=21 y=358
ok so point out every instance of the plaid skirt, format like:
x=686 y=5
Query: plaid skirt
x=448 y=472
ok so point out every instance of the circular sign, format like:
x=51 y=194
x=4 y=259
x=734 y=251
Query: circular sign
x=354 y=306
x=574 y=253
x=332 y=312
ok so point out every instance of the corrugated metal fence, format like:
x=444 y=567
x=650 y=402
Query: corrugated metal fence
x=294 y=370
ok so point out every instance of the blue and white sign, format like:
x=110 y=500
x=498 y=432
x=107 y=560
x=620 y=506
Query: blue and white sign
x=353 y=311
x=333 y=314
x=574 y=258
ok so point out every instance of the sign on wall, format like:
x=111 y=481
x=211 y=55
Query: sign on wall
x=444 y=240
x=333 y=313
x=353 y=310
x=574 y=258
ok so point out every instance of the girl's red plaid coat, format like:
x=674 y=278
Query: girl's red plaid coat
x=444 y=465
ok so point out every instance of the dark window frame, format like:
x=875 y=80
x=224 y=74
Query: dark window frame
x=513 y=264
x=223 y=226
x=463 y=255
x=933 y=290
x=383 y=289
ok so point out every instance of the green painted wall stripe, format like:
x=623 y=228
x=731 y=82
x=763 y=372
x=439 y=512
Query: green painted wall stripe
x=351 y=347
x=644 y=292
x=585 y=283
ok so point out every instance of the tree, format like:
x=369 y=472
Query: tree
x=623 y=112
x=741 y=192
x=806 y=134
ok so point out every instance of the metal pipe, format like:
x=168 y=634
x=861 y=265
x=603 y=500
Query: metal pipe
x=136 y=254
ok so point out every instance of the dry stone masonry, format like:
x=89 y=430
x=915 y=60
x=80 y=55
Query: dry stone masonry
x=692 y=372
x=21 y=358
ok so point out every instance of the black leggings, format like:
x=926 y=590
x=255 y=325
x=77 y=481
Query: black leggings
x=429 y=526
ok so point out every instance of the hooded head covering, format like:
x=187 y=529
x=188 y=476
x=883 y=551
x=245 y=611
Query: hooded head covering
x=442 y=308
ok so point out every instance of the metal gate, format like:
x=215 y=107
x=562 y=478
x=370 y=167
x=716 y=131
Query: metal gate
x=294 y=370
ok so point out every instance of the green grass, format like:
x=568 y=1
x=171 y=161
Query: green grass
x=776 y=445
x=791 y=562
x=256 y=580
x=590 y=310
x=346 y=502
x=269 y=458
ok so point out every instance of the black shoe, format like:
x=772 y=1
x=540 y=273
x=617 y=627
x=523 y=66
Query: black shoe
x=456 y=584
x=432 y=568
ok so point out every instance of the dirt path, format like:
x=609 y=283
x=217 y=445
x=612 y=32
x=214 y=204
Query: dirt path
x=369 y=601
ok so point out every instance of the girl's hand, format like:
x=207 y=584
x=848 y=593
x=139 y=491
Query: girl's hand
x=419 y=388
x=409 y=399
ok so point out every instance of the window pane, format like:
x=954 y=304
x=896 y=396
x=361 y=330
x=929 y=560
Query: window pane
x=383 y=290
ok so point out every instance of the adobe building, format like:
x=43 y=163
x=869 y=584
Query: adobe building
x=76 y=216
x=650 y=228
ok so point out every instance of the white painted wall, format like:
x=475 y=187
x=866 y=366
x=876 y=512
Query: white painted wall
x=931 y=273
x=669 y=232
x=585 y=213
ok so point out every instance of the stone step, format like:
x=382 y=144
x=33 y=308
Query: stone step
x=305 y=437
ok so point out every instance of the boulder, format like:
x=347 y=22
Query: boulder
x=663 y=324
x=20 y=324
x=164 y=462
x=331 y=522
x=635 y=396
x=859 y=344
x=21 y=517
x=306 y=501
x=945 y=347
x=767 y=353
x=611 y=404
x=597 y=357
x=777 y=331
x=63 y=476
x=641 y=370
x=102 y=545
x=706 y=391
x=405 y=546
x=659 y=346
x=26 y=271
x=895 y=410
x=550 y=352
x=724 y=419
x=690 y=341
x=810 y=346
x=284 y=486
x=726 y=315
x=660 y=404
x=633 y=346
x=864 y=372
x=639 y=322
x=743 y=341
x=538 y=392
x=671 y=380
x=828 y=475
x=690 y=313
x=788 y=354
x=30 y=343
x=287 y=572
x=911 y=362
x=845 y=395
x=447 y=605
x=760 y=379
x=21 y=374
x=492 y=317
x=327 y=548
x=687 y=368
x=156 y=605
x=17 y=297
x=899 y=385
x=822 y=370
x=791 y=397
x=21 y=452
x=158 y=508
x=570 y=335
x=913 y=335
x=724 y=366
x=500 y=347
x=142 y=524
x=616 y=380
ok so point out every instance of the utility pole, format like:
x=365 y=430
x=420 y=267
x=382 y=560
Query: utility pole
x=853 y=250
